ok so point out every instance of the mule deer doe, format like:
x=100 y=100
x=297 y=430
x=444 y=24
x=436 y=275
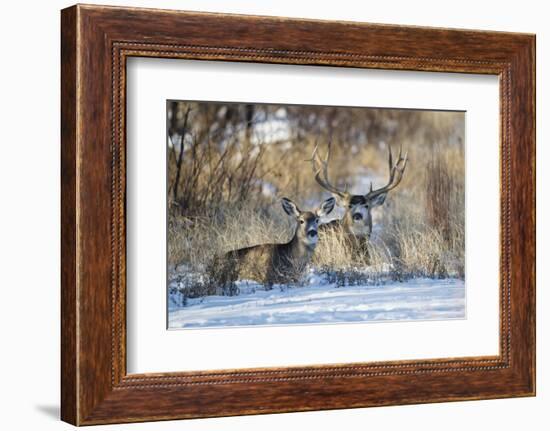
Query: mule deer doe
x=357 y=219
x=279 y=263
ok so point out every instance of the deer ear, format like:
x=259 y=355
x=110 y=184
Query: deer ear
x=378 y=200
x=326 y=207
x=290 y=207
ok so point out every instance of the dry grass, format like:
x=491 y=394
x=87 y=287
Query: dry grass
x=196 y=241
x=400 y=252
x=403 y=247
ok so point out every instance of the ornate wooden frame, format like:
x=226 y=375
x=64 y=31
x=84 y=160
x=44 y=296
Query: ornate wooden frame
x=95 y=43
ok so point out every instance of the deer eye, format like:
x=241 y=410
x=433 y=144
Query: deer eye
x=302 y=221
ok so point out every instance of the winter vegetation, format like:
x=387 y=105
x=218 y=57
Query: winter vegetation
x=230 y=165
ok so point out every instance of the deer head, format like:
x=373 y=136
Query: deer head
x=307 y=221
x=357 y=219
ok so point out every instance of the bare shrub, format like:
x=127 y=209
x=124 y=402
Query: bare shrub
x=444 y=196
x=438 y=195
x=211 y=156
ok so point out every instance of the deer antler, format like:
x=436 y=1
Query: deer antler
x=396 y=174
x=320 y=169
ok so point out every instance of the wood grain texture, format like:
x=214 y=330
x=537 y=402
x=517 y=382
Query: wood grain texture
x=96 y=41
x=69 y=331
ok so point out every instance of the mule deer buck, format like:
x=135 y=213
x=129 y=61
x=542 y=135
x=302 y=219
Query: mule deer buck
x=279 y=263
x=357 y=220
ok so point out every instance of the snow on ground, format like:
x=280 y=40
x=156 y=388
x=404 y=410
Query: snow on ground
x=418 y=299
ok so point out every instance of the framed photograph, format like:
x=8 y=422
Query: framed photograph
x=266 y=215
